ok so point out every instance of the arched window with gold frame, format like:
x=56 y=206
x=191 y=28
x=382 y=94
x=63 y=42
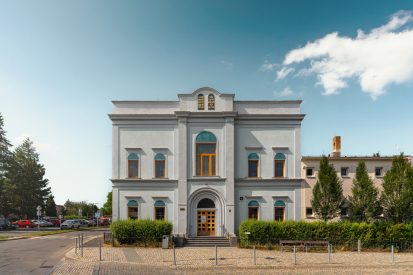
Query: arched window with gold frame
x=211 y=102
x=201 y=102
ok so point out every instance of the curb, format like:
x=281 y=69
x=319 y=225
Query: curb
x=53 y=268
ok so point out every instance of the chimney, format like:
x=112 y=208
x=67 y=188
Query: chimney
x=336 y=147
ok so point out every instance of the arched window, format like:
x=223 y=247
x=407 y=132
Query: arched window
x=206 y=154
x=206 y=203
x=159 y=210
x=201 y=102
x=133 y=164
x=133 y=210
x=279 y=164
x=253 y=159
x=159 y=166
x=279 y=211
x=211 y=102
x=253 y=210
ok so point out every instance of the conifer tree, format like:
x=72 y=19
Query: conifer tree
x=6 y=160
x=29 y=188
x=364 y=202
x=397 y=195
x=327 y=192
x=51 y=207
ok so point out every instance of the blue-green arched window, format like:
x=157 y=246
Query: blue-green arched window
x=206 y=154
x=279 y=211
x=133 y=209
x=160 y=166
x=253 y=159
x=279 y=165
x=253 y=207
x=159 y=210
x=133 y=165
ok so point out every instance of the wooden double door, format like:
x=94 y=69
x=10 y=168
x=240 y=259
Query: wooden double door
x=206 y=223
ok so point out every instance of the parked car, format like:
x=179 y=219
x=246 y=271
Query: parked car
x=70 y=224
x=40 y=223
x=10 y=225
x=3 y=225
x=103 y=222
x=47 y=223
x=56 y=222
x=25 y=223
x=92 y=223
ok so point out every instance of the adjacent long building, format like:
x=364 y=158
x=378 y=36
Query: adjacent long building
x=207 y=162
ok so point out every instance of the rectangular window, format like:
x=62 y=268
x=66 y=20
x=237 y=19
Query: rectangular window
x=278 y=168
x=205 y=159
x=200 y=102
x=253 y=213
x=133 y=168
x=309 y=212
x=310 y=172
x=279 y=214
x=253 y=168
x=344 y=172
x=378 y=171
x=133 y=213
x=159 y=168
x=160 y=213
x=343 y=211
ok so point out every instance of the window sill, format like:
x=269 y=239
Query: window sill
x=206 y=177
x=311 y=177
x=280 y=177
x=160 y=178
x=345 y=177
x=310 y=217
x=379 y=177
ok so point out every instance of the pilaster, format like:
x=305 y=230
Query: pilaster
x=229 y=171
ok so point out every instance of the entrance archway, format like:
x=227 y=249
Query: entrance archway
x=204 y=200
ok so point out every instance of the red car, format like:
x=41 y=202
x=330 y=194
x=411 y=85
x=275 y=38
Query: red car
x=55 y=222
x=104 y=222
x=25 y=223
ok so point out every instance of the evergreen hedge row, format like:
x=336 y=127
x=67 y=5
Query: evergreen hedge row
x=144 y=228
x=319 y=230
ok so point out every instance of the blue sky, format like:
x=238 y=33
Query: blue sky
x=61 y=64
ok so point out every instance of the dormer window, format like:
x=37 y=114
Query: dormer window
x=201 y=102
x=211 y=102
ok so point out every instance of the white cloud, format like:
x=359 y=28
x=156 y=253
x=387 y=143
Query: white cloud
x=226 y=63
x=286 y=92
x=378 y=58
x=40 y=147
x=283 y=73
x=268 y=66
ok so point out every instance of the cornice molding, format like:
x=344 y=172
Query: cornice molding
x=299 y=117
x=268 y=101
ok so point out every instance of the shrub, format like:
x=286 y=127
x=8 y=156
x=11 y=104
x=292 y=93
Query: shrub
x=145 y=228
x=319 y=230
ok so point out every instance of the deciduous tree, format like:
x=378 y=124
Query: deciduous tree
x=327 y=192
x=107 y=207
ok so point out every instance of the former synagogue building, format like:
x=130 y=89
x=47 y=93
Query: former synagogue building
x=207 y=162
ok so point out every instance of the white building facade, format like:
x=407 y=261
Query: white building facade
x=207 y=162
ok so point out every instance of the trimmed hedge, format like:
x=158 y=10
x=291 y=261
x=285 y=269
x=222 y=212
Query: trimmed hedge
x=145 y=228
x=319 y=230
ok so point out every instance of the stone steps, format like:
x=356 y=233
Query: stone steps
x=204 y=241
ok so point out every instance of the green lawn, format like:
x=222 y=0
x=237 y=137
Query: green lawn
x=4 y=237
x=61 y=231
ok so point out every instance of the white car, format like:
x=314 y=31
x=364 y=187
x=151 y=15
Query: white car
x=41 y=223
x=70 y=224
x=47 y=223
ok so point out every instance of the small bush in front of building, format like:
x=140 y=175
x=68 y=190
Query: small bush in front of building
x=319 y=230
x=145 y=230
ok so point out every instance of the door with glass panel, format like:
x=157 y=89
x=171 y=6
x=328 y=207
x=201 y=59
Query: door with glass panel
x=206 y=223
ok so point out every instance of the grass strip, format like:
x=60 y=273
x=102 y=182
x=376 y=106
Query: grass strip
x=61 y=231
x=4 y=237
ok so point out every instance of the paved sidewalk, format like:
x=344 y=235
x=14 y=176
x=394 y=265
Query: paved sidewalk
x=230 y=261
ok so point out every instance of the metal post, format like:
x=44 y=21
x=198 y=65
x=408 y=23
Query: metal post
x=295 y=261
x=247 y=240
x=173 y=246
x=76 y=246
x=100 y=252
x=78 y=236
x=216 y=252
x=254 y=254
x=81 y=249
x=328 y=253
x=359 y=245
x=38 y=222
x=392 y=254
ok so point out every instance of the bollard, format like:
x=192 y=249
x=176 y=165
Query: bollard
x=392 y=254
x=295 y=261
x=328 y=253
x=254 y=254
x=76 y=246
x=359 y=245
x=216 y=256
x=81 y=249
x=174 y=254
x=100 y=252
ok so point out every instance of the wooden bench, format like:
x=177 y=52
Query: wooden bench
x=305 y=244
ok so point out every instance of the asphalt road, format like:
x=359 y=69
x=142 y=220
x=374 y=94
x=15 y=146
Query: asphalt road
x=38 y=255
